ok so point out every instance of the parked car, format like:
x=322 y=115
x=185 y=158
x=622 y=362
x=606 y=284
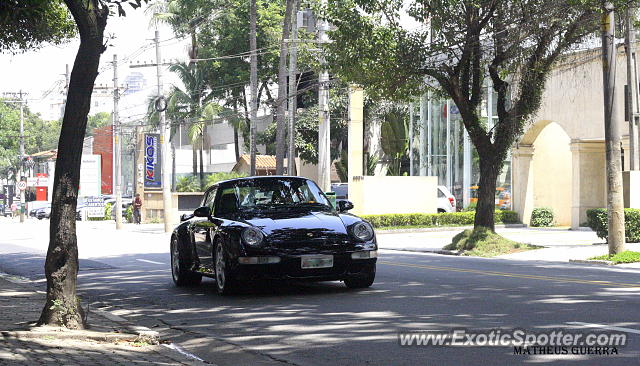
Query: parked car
x=341 y=190
x=43 y=213
x=273 y=227
x=79 y=210
x=5 y=210
x=32 y=212
x=446 y=200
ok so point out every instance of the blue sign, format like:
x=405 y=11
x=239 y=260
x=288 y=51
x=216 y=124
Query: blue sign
x=152 y=161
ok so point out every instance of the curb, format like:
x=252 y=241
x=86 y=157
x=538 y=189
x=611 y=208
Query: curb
x=61 y=333
x=134 y=333
x=143 y=334
x=441 y=228
x=441 y=251
x=594 y=262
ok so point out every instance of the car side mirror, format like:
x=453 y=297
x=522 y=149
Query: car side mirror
x=344 y=206
x=203 y=211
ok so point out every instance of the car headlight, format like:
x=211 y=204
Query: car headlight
x=252 y=236
x=362 y=231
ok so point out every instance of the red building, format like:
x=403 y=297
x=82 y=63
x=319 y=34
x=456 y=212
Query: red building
x=103 y=146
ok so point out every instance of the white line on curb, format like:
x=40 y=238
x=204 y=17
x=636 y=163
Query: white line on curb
x=604 y=326
x=148 y=261
x=183 y=352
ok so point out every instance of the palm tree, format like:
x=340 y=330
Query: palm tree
x=193 y=104
x=190 y=104
x=394 y=139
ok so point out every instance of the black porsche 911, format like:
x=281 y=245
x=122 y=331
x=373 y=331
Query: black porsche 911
x=274 y=227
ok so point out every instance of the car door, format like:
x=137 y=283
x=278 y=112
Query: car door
x=201 y=233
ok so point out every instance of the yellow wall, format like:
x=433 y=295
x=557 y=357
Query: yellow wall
x=152 y=206
x=393 y=195
x=573 y=95
x=552 y=173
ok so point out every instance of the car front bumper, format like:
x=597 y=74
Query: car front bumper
x=290 y=268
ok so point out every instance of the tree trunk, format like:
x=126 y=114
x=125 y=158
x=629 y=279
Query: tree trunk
x=61 y=266
x=194 y=151
x=253 y=76
x=173 y=168
x=202 y=159
x=235 y=133
x=282 y=90
x=485 y=209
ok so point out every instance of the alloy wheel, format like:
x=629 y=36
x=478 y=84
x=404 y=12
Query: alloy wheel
x=220 y=267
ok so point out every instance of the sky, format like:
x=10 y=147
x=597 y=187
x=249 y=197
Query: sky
x=40 y=73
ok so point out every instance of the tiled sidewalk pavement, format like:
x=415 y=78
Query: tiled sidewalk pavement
x=20 y=305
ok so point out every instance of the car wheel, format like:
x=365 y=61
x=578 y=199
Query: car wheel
x=363 y=280
x=225 y=283
x=181 y=276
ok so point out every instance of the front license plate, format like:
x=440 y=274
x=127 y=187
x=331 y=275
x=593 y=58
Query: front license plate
x=317 y=261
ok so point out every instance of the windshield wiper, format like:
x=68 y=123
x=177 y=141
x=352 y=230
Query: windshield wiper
x=312 y=204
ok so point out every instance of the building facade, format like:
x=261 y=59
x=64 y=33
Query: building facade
x=559 y=162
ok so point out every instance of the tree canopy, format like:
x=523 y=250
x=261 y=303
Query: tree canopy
x=27 y=24
x=39 y=135
x=454 y=47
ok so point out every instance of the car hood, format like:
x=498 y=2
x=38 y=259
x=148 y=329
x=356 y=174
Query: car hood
x=315 y=223
x=303 y=232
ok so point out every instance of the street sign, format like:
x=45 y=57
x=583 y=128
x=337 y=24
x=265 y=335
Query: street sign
x=37 y=182
x=152 y=161
x=22 y=185
x=94 y=206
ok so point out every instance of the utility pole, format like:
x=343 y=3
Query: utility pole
x=632 y=90
x=615 y=203
x=20 y=99
x=254 y=86
x=117 y=157
x=293 y=101
x=21 y=167
x=164 y=143
x=324 y=130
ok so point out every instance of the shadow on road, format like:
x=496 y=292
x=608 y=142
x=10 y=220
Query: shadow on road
x=324 y=322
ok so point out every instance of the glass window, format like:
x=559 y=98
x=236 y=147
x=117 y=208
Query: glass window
x=209 y=198
x=276 y=192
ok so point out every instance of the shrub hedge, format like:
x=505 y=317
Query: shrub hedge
x=541 y=217
x=441 y=219
x=597 y=221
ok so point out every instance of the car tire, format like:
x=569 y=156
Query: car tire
x=363 y=280
x=225 y=283
x=181 y=276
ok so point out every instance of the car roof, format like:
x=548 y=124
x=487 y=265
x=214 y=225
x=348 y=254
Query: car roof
x=260 y=177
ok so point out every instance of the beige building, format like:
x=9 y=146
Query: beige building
x=559 y=162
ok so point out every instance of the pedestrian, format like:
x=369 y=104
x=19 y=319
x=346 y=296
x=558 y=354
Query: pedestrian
x=137 y=205
x=14 y=208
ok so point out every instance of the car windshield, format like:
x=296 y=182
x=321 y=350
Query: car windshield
x=274 y=193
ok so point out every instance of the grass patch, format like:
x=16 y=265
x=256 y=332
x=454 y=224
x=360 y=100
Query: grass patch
x=624 y=257
x=485 y=243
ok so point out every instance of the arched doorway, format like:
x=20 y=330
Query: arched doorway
x=543 y=173
x=552 y=172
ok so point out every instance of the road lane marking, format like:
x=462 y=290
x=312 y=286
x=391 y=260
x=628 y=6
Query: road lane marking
x=515 y=275
x=148 y=261
x=604 y=326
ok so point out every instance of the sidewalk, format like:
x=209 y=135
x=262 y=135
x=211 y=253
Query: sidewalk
x=560 y=244
x=107 y=342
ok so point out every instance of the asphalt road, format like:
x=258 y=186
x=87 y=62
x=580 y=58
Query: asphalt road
x=328 y=324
